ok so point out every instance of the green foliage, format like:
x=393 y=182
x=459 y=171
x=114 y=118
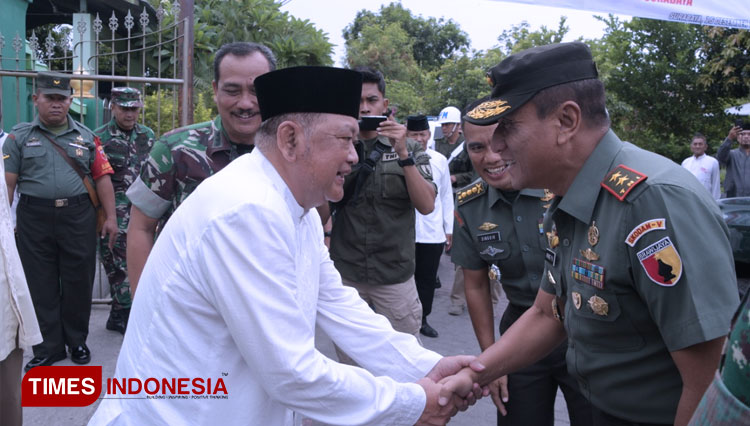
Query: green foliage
x=519 y=37
x=432 y=41
x=652 y=73
x=728 y=64
x=386 y=49
x=160 y=106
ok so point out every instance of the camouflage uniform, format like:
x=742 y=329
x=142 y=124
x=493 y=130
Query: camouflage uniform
x=178 y=162
x=126 y=152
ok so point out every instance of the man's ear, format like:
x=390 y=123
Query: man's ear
x=569 y=121
x=289 y=140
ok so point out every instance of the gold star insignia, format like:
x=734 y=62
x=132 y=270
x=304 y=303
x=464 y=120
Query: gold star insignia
x=622 y=180
x=615 y=176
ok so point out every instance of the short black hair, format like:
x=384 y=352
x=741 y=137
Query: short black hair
x=371 y=75
x=588 y=94
x=243 y=49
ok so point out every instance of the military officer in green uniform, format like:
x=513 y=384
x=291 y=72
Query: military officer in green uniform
x=372 y=239
x=638 y=270
x=127 y=145
x=181 y=159
x=498 y=231
x=56 y=218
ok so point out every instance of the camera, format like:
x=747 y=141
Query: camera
x=371 y=122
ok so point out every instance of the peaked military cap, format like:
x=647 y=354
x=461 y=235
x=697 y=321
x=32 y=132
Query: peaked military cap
x=417 y=123
x=52 y=83
x=517 y=78
x=126 y=97
x=309 y=89
x=745 y=126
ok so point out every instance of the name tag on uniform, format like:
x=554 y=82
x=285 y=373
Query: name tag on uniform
x=550 y=256
x=486 y=238
x=389 y=156
x=33 y=143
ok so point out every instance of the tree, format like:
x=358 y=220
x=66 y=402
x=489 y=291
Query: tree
x=728 y=67
x=654 y=99
x=433 y=41
x=519 y=38
x=387 y=50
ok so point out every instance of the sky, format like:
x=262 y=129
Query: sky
x=483 y=20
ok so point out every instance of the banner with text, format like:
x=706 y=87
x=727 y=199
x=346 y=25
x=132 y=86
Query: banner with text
x=720 y=13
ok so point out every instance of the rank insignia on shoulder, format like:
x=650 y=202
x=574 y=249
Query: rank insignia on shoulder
x=487 y=226
x=620 y=181
x=471 y=192
x=661 y=262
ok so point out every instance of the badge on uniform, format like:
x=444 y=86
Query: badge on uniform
x=593 y=239
x=491 y=251
x=599 y=305
x=33 y=142
x=550 y=256
x=548 y=195
x=576 y=296
x=643 y=229
x=79 y=152
x=662 y=262
x=389 y=156
x=551 y=278
x=487 y=238
x=556 y=310
x=487 y=226
x=494 y=273
x=587 y=273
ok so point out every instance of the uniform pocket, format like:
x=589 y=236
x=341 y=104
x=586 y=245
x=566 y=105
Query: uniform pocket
x=34 y=151
x=394 y=185
x=600 y=324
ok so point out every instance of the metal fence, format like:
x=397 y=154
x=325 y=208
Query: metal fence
x=153 y=58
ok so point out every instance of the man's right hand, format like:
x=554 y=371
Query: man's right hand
x=434 y=413
x=733 y=133
x=499 y=392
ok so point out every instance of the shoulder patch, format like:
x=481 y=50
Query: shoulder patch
x=471 y=192
x=620 y=181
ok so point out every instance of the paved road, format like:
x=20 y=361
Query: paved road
x=456 y=337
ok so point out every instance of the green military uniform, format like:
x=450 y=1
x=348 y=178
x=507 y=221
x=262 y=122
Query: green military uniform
x=460 y=167
x=727 y=401
x=179 y=161
x=126 y=151
x=504 y=228
x=56 y=227
x=442 y=146
x=372 y=240
x=640 y=264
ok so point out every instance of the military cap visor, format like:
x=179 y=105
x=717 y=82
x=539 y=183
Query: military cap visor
x=519 y=77
x=51 y=83
x=417 y=123
x=309 y=89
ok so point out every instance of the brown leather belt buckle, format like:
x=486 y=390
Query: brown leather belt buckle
x=61 y=202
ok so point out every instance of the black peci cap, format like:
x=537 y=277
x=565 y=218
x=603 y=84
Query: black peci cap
x=520 y=76
x=309 y=89
x=417 y=123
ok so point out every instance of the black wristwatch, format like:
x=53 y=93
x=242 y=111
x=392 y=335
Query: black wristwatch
x=408 y=162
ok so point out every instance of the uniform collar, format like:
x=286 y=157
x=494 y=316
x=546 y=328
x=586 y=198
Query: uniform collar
x=72 y=125
x=220 y=141
x=580 y=199
x=495 y=194
x=115 y=130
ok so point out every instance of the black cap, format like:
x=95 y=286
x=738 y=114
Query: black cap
x=309 y=89
x=745 y=126
x=519 y=77
x=52 y=83
x=417 y=123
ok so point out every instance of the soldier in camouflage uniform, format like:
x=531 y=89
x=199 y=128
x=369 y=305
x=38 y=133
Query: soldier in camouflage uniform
x=181 y=159
x=127 y=145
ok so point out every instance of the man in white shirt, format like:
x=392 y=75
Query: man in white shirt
x=704 y=167
x=240 y=277
x=433 y=231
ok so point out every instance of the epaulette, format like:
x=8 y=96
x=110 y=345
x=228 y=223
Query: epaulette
x=471 y=192
x=20 y=126
x=620 y=181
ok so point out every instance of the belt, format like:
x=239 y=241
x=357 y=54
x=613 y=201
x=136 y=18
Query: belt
x=60 y=202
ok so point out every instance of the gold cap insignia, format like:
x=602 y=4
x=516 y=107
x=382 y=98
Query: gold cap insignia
x=487 y=226
x=56 y=82
x=489 y=109
x=599 y=305
x=593 y=234
x=576 y=299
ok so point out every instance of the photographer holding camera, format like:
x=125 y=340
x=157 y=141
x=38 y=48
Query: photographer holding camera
x=737 y=161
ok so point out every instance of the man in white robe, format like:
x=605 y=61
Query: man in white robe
x=240 y=277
